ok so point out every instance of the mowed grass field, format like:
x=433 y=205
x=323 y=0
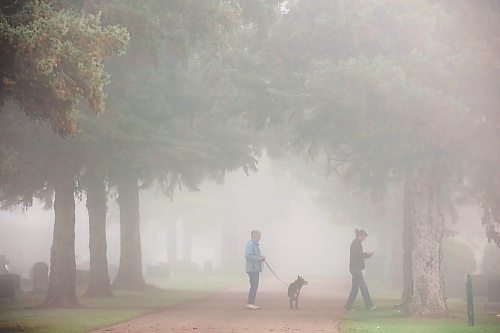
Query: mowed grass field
x=24 y=315
x=387 y=319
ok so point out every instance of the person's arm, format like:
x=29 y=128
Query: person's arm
x=249 y=254
x=366 y=254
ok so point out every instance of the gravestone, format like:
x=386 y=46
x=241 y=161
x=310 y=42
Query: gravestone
x=481 y=282
x=494 y=291
x=208 y=267
x=159 y=271
x=82 y=277
x=4 y=269
x=40 y=277
x=186 y=267
x=9 y=285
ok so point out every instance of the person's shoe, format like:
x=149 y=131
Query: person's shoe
x=349 y=310
x=252 y=307
x=372 y=308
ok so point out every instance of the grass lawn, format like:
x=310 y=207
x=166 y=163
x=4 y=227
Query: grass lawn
x=24 y=316
x=387 y=319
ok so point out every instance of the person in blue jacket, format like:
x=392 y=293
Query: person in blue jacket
x=253 y=266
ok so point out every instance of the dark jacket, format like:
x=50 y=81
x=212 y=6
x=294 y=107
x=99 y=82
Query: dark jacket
x=357 y=256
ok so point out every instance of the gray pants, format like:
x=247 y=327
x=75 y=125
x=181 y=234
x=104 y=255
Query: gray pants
x=358 y=282
x=254 y=284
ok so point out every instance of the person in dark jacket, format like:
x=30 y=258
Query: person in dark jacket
x=253 y=266
x=356 y=266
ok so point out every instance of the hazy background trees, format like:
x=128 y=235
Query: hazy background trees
x=377 y=114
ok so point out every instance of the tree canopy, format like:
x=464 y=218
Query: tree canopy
x=388 y=92
x=52 y=58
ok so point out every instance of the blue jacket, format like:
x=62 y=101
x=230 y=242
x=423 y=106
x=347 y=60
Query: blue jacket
x=253 y=262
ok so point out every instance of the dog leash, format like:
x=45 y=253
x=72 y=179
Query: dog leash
x=275 y=275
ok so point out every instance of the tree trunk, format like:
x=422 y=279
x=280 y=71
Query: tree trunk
x=426 y=290
x=230 y=260
x=172 y=244
x=395 y=259
x=186 y=241
x=62 y=278
x=407 y=246
x=129 y=274
x=99 y=284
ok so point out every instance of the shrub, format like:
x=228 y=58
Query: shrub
x=458 y=261
x=490 y=264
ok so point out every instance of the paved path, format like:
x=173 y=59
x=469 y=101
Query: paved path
x=224 y=312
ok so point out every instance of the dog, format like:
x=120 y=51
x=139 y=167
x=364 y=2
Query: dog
x=294 y=291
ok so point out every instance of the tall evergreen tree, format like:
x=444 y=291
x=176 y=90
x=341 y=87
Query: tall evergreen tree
x=165 y=122
x=375 y=87
x=53 y=58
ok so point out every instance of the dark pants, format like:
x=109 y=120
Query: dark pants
x=358 y=282
x=254 y=284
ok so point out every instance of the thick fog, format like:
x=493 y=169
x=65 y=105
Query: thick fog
x=299 y=235
x=268 y=200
